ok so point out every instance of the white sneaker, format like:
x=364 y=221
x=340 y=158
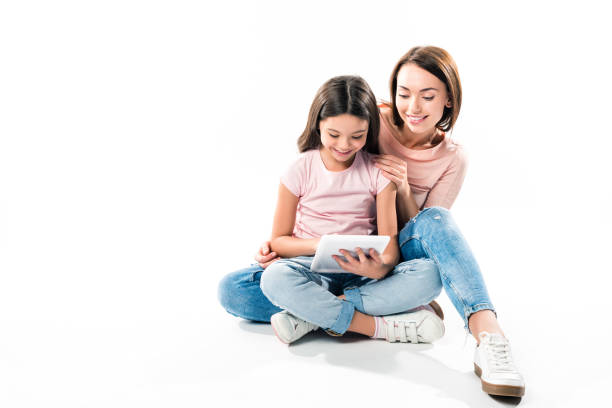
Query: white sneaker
x=493 y=364
x=422 y=326
x=289 y=328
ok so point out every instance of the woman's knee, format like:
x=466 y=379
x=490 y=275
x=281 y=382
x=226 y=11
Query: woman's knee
x=433 y=214
x=424 y=273
x=428 y=220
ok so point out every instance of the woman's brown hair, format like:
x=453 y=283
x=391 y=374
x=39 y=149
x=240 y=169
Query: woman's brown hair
x=339 y=95
x=438 y=62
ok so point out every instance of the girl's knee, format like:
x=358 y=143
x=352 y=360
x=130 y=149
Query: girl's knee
x=233 y=285
x=276 y=279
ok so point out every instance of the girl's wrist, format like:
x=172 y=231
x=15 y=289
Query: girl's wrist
x=315 y=244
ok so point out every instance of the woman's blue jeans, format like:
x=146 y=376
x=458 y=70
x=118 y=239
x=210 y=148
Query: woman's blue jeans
x=430 y=239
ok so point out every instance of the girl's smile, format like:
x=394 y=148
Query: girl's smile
x=342 y=137
x=342 y=153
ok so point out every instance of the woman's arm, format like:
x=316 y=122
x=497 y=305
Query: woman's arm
x=395 y=169
x=282 y=242
x=406 y=206
x=446 y=189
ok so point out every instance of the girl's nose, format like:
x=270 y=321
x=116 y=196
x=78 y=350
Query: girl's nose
x=345 y=143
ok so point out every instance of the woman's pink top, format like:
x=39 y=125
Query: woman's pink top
x=435 y=175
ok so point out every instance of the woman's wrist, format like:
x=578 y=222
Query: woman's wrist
x=404 y=191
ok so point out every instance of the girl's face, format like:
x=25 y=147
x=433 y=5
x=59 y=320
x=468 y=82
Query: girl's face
x=420 y=98
x=342 y=137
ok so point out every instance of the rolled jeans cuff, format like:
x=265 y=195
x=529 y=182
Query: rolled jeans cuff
x=469 y=311
x=344 y=319
x=353 y=295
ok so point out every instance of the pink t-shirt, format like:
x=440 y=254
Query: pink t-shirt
x=334 y=202
x=435 y=175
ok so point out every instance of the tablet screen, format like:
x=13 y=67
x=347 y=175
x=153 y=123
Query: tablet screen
x=331 y=244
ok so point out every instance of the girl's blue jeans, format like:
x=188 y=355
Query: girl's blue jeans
x=434 y=254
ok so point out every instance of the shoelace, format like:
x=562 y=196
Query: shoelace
x=499 y=355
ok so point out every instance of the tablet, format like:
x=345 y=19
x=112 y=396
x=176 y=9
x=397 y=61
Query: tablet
x=331 y=244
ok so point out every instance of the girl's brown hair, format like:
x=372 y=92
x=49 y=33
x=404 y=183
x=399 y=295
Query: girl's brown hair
x=438 y=62
x=340 y=95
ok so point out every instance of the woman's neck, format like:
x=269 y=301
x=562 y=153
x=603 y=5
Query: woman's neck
x=416 y=141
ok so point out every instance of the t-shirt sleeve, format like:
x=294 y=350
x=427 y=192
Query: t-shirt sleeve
x=446 y=189
x=379 y=182
x=294 y=177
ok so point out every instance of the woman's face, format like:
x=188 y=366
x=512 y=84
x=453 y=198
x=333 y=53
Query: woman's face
x=420 y=98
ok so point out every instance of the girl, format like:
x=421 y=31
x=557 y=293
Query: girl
x=428 y=171
x=334 y=188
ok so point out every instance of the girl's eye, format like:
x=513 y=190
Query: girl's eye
x=357 y=137
x=334 y=136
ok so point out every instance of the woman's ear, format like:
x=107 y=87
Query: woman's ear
x=448 y=103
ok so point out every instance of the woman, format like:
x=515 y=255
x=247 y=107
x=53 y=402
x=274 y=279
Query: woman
x=428 y=170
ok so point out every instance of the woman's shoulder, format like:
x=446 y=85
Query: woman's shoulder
x=456 y=151
x=386 y=114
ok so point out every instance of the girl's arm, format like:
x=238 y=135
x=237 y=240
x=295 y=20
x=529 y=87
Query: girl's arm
x=386 y=220
x=377 y=266
x=282 y=242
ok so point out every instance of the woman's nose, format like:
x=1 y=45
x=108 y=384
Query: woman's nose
x=415 y=106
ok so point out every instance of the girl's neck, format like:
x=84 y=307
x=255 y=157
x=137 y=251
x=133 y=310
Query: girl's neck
x=332 y=164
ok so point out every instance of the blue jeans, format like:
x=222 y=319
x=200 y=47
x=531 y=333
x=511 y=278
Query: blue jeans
x=431 y=236
x=291 y=285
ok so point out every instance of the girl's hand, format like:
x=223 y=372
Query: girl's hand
x=372 y=267
x=395 y=169
x=264 y=257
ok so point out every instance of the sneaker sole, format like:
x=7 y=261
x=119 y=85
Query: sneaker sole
x=497 y=389
x=276 y=334
x=437 y=309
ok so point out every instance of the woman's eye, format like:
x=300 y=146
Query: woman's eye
x=428 y=98
x=402 y=96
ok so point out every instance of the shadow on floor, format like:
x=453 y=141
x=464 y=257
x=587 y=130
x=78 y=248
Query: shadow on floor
x=357 y=352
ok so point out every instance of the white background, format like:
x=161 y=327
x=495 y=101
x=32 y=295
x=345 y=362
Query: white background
x=140 y=148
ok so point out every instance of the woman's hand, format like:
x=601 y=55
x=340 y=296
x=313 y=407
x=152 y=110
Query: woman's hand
x=264 y=257
x=395 y=169
x=372 y=267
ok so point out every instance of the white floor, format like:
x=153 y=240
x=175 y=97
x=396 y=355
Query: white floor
x=140 y=149
x=147 y=350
